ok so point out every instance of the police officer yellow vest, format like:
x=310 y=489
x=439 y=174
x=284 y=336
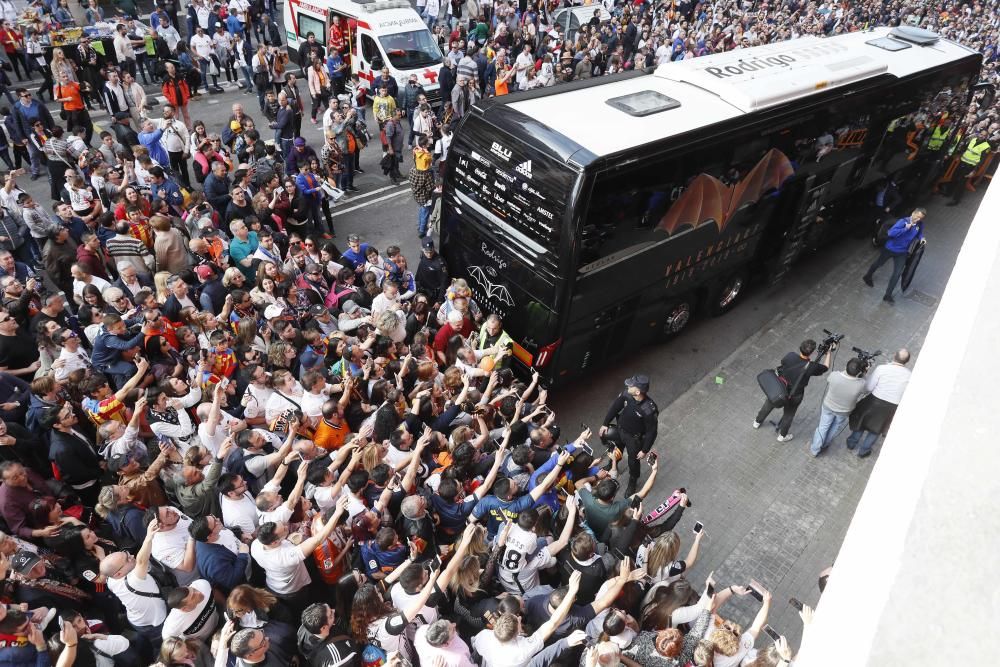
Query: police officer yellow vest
x=938 y=137
x=974 y=153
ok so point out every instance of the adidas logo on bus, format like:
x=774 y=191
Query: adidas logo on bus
x=524 y=169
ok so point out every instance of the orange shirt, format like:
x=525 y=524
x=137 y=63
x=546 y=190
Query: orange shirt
x=331 y=437
x=325 y=555
x=71 y=90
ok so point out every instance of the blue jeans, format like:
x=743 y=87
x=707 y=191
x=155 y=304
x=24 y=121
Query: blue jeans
x=346 y=178
x=248 y=79
x=866 y=438
x=424 y=219
x=830 y=425
x=204 y=73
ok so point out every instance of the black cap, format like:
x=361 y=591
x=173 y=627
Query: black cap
x=23 y=561
x=122 y=115
x=427 y=243
x=118 y=461
x=641 y=382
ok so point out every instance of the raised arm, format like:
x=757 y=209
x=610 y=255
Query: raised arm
x=141 y=367
x=418 y=603
x=761 y=618
x=410 y=478
x=282 y=470
x=215 y=413
x=617 y=584
x=273 y=459
x=491 y=476
x=648 y=486
x=551 y=478
x=692 y=554
x=531 y=386
x=567 y=531
x=300 y=483
x=457 y=557
x=308 y=546
x=545 y=630
x=141 y=568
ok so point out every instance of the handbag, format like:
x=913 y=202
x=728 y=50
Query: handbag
x=774 y=386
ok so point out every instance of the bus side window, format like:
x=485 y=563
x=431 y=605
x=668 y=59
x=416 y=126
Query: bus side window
x=625 y=210
x=369 y=51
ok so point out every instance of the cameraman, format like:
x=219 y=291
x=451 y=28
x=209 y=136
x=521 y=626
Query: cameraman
x=795 y=370
x=842 y=394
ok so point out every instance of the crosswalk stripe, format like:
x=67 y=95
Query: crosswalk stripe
x=369 y=202
x=356 y=197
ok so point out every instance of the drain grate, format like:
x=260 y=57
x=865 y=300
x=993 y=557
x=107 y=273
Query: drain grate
x=923 y=298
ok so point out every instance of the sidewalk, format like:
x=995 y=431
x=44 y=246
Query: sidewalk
x=771 y=511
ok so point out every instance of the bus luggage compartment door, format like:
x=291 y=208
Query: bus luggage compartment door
x=599 y=337
x=797 y=232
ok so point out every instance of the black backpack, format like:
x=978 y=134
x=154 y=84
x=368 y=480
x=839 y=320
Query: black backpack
x=236 y=463
x=159 y=573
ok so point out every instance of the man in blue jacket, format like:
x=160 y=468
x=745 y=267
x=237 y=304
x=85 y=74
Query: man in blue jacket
x=223 y=560
x=896 y=248
x=108 y=348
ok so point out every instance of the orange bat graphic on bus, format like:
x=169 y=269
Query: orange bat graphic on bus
x=707 y=199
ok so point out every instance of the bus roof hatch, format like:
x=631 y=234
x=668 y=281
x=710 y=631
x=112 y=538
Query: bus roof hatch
x=775 y=73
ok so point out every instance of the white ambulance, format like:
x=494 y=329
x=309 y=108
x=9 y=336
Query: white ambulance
x=371 y=34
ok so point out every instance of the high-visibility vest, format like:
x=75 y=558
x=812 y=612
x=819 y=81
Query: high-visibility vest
x=501 y=341
x=974 y=153
x=938 y=137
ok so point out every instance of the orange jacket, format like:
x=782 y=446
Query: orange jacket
x=176 y=91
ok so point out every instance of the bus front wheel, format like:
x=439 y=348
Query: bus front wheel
x=678 y=316
x=727 y=293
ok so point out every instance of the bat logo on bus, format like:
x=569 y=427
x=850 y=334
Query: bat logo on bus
x=499 y=292
x=707 y=199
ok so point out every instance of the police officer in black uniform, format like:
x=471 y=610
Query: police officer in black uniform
x=432 y=273
x=637 y=415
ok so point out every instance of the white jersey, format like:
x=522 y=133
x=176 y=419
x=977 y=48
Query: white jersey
x=521 y=561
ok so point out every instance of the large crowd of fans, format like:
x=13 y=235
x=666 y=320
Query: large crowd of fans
x=226 y=439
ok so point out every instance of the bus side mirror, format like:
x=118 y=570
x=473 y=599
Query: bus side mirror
x=376 y=62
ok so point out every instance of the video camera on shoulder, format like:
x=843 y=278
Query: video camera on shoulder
x=866 y=358
x=828 y=342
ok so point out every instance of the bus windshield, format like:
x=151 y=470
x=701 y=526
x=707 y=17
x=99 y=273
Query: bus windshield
x=410 y=50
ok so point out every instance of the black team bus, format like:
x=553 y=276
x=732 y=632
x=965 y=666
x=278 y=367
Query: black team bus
x=595 y=217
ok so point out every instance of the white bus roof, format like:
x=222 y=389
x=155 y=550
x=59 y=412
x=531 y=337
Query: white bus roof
x=721 y=87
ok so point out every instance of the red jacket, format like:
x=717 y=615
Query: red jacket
x=92 y=263
x=176 y=91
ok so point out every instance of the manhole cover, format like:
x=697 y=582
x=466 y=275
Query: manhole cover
x=923 y=298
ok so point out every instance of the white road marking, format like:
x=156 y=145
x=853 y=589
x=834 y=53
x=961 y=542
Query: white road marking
x=358 y=197
x=370 y=201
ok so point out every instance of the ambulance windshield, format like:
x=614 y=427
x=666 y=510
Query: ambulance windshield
x=409 y=50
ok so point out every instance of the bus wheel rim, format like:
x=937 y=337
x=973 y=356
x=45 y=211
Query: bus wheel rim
x=678 y=317
x=730 y=291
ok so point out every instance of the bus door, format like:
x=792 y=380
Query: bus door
x=807 y=206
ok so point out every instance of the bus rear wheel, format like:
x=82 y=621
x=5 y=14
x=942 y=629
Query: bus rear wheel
x=678 y=316
x=727 y=293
